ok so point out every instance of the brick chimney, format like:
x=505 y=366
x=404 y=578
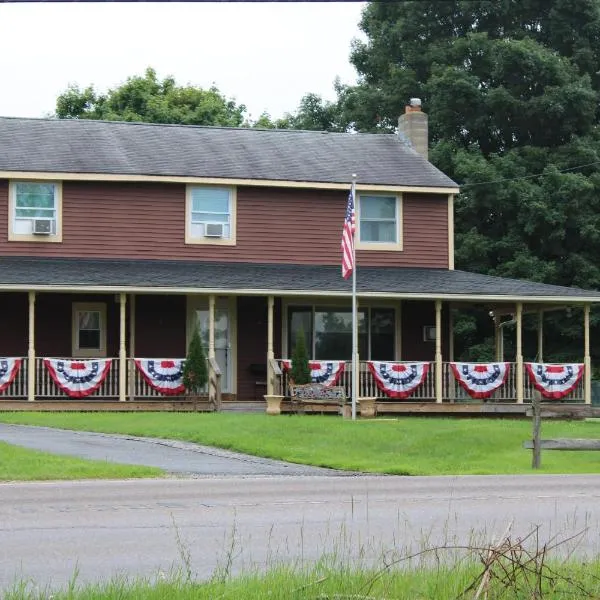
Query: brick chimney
x=413 y=128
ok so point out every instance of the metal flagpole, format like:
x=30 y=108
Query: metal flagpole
x=355 y=364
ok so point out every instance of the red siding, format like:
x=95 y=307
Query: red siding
x=160 y=327
x=14 y=328
x=415 y=315
x=252 y=343
x=54 y=323
x=144 y=220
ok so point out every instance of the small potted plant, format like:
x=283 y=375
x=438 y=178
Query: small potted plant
x=300 y=371
x=195 y=371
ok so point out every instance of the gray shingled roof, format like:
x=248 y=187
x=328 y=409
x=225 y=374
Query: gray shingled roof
x=81 y=146
x=27 y=272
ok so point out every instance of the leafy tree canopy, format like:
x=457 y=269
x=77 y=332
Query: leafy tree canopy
x=148 y=99
x=511 y=89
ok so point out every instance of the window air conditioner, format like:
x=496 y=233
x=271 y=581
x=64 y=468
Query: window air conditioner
x=213 y=230
x=42 y=226
x=429 y=333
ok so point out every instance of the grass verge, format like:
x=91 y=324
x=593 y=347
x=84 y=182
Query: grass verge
x=21 y=464
x=572 y=580
x=405 y=446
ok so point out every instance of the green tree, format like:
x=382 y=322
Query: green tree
x=511 y=89
x=300 y=372
x=148 y=99
x=313 y=114
x=195 y=372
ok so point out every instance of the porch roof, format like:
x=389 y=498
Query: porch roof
x=171 y=276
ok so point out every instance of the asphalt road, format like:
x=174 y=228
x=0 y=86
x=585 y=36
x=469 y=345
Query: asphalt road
x=148 y=527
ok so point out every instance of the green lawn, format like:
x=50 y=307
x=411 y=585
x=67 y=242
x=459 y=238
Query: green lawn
x=412 y=446
x=21 y=464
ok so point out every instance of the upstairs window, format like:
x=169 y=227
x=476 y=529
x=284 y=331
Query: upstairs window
x=35 y=209
x=379 y=222
x=210 y=215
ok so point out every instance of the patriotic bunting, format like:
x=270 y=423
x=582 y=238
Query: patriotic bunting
x=480 y=380
x=78 y=378
x=554 y=381
x=9 y=367
x=326 y=372
x=163 y=375
x=398 y=379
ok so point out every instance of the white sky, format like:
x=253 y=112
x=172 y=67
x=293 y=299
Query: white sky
x=265 y=55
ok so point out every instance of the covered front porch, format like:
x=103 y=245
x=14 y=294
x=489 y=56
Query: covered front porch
x=248 y=317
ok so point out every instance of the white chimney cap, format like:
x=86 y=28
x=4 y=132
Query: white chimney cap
x=415 y=101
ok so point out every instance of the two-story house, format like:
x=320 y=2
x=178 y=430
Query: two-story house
x=116 y=239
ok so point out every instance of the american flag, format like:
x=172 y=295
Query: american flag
x=348 y=238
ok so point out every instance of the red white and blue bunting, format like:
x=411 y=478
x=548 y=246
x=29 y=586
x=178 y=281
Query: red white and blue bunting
x=480 y=380
x=78 y=378
x=554 y=381
x=325 y=372
x=398 y=379
x=165 y=375
x=9 y=367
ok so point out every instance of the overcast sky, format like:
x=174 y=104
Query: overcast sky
x=265 y=55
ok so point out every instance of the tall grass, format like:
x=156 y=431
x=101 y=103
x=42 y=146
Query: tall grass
x=331 y=579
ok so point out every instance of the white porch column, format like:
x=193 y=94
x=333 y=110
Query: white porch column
x=450 y=333
x=122 y=348
x=587 y=362
x=31 y=350
x=131 y=346
x=270 y=352
x=497 y=333
x=398 y=336
x=211 y=326
x=540 y=332
x=519 y=357
x=439 y=391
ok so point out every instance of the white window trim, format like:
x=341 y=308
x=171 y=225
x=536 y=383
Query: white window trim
x=88 y=352
x=398 y=245
x=231 y=240
x=29 y=237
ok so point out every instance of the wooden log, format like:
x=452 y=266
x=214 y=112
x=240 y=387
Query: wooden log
x=565 y=444
x=567 y=411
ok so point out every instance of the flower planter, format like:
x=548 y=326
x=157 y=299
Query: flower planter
x=368 y=407
x=273 y=404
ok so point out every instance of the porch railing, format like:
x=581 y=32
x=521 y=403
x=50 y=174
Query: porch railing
x=135 y=385
x=451 y=390
x=45 y=387
x=214 y=384
x=18 y=386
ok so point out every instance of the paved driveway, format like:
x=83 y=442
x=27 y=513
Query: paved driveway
x=174 y=457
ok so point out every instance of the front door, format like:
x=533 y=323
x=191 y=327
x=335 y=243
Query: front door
x=223 y=334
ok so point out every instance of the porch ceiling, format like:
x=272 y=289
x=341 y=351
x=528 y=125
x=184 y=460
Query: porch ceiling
x=153 y=276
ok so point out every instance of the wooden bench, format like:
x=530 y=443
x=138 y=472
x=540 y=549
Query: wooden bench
x=315 y=397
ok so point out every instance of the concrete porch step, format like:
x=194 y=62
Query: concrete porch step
x=241 y=406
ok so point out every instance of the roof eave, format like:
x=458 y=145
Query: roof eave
x=149 y=178
x=463 y=297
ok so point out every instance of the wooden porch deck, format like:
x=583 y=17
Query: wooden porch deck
x=387 y=408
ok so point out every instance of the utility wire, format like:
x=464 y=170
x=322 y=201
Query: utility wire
x=529 y=176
